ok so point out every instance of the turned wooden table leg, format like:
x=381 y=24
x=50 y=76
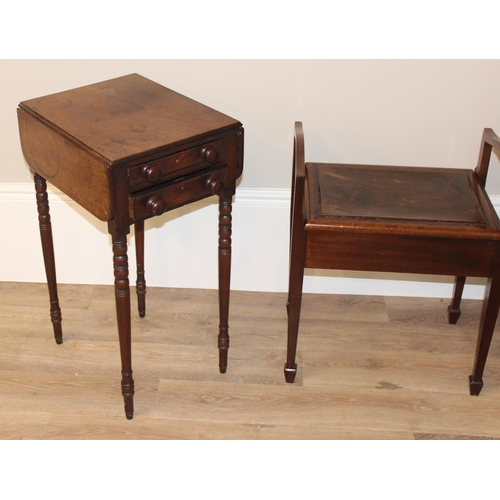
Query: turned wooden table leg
x=489 y=316
x=454 y=309
x=48 y=254
x=225 y=219
x=122 y=297
x=141 y=281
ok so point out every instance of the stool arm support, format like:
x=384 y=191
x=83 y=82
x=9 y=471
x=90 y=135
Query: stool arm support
x=298 y=151
x=298 y=181
x=489 y=140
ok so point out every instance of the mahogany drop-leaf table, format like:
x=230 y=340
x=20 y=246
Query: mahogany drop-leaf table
x=128 y=149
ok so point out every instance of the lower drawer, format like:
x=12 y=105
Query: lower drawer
x=157 y=200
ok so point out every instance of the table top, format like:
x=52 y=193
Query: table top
x=127 y=116
x=106 y=143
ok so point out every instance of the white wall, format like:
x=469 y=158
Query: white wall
x=407 y=112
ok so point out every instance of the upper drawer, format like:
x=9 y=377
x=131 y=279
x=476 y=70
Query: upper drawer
x=177 y=164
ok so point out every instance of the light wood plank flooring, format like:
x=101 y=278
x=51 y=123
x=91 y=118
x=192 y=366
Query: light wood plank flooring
x=369 y=368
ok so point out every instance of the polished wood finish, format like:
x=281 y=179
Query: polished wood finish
x=48 y=254
x=372 y=368
x=128 y=149
x=395 y=219
x=140 y=283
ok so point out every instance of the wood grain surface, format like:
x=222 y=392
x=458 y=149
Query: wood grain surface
x=369 y=368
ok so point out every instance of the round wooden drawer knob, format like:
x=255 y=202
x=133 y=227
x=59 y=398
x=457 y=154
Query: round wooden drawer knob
x=216 y=186
x=156 y=206
x=151 y=172
x=209 y=153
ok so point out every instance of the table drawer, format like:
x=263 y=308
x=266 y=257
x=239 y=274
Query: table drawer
x=176 y=164
x=170 y=195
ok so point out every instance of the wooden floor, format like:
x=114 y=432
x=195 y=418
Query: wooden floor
x=369 y=368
